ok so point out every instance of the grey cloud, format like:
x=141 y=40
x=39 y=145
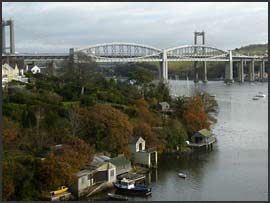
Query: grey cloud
x=55 y=27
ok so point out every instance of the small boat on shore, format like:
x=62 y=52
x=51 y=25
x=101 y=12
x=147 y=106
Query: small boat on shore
x=182 y=175
x=127 y=186
x=117 y=197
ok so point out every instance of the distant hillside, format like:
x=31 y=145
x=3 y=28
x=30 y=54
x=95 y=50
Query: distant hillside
x=253 y=49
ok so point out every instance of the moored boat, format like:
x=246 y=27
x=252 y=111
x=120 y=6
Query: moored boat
x=182 y=175
x=128 y=187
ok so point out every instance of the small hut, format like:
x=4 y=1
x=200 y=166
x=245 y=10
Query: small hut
x=202 y=136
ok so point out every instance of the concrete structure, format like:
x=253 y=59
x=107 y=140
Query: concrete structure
x=229 y=69
x=196 y=74
x=251 y=73
x=141 y=155
x=241 y=71
x=11 y=47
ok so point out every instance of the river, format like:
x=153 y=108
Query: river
x=237 y=168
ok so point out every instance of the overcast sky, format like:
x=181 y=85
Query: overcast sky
x=56 y=27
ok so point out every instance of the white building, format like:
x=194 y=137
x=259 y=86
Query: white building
x=140 y=154
x=35 y=69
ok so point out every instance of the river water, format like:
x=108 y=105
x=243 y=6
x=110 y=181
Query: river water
x=237 y=168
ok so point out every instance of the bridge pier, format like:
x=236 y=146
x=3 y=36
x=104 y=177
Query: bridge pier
x=196 y=72
x=229 y=69
x=262 y=69
x=251 y=70
x=241 y=71
x=204 y=72
x=163 y=69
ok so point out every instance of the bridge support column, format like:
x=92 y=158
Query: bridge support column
x=262 y=69
x=229 y=69
x=12 y=41
x=196 y=73
x=204 y=72
x=241 y=71
x=251 y=70
x=163 y=70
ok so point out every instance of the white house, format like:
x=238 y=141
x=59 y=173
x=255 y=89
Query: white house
x=140 y=154
x=35 y=69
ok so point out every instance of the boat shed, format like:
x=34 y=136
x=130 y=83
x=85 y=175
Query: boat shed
x=97 y=172
x=202 y=136
x=140 y=154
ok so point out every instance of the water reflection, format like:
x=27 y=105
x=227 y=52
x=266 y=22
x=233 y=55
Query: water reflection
x=237 y=168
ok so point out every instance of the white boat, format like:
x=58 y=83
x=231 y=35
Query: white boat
x=260 y=95
x=182 y=175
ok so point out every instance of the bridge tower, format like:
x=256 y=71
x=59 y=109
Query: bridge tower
x=195 y=66
x=11 y=48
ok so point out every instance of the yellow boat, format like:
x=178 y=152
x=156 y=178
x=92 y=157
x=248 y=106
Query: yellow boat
x=59 y=190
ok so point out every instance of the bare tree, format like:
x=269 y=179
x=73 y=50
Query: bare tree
x=74 y=119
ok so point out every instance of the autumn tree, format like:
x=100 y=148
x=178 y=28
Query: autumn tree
x=106 y=127
x=195 y=118
x=60 y=166
x=144 y=130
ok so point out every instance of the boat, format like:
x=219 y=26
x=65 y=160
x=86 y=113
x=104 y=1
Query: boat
x=59 y=190
x=182 y=175
x=260 y=95
x=117 y=197
x=127 y=186
x=255 y=98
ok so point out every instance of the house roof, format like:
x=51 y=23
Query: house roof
x=164 y=103
x=83 y=173
x=119 y=160
x=134 y=139
x=205 y=132
x=7 y=66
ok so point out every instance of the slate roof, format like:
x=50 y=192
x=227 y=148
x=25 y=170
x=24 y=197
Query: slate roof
x=120 y=160
x=205 y=132
x=133 y=140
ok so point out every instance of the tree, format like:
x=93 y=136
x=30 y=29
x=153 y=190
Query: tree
x=59 y=167
x=106 y=127
x=74 y=119
x=144 y=130
x=84 y=69
x=195 y=118
x=141 y=75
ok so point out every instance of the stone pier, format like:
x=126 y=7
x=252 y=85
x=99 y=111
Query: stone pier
x=251 y=69
x=204 y=72
x=241 y=71
x=229 y=69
